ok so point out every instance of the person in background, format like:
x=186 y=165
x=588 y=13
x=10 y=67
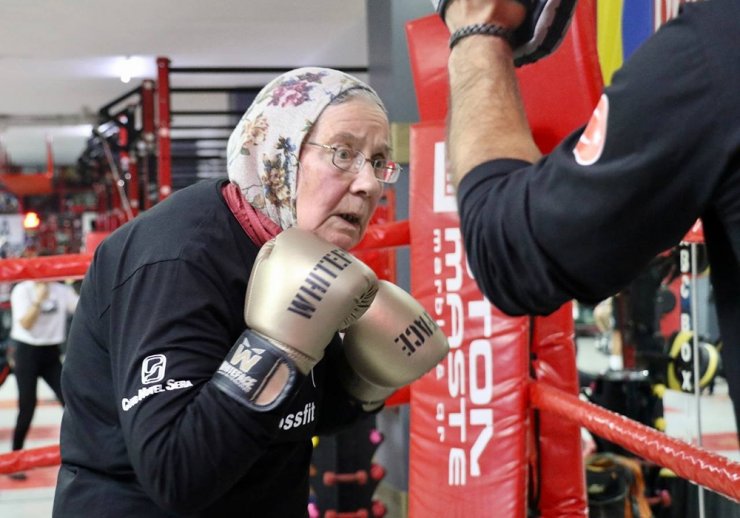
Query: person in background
x=40 y=313
x=205 y=352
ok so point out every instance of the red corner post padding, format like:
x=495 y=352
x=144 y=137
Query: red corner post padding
x=559 y=94
x=560 y=474
x=469 y=415
x=428 y=52
x=561 y=91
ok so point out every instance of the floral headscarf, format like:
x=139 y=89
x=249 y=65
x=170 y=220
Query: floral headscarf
x=263 y=149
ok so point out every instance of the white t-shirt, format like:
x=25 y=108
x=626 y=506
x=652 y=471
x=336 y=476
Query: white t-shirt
x=50 y=327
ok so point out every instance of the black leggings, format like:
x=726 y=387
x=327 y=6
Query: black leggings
x=33 y=362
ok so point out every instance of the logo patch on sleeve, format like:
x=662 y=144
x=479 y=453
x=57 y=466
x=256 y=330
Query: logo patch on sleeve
x=152 y=369
x=591 y=144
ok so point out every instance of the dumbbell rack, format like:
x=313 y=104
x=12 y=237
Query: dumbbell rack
x=343 y=476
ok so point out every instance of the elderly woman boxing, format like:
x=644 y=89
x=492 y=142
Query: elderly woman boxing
x=205 y=351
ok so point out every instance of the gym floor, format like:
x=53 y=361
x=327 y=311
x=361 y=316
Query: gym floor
x=32 y=497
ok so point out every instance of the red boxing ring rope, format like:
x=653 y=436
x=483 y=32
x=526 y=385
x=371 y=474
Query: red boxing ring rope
x=707 y=469
x=59 y=267
x=710 y=470
x=74 y=266
x=49 y=268
x=23 y=460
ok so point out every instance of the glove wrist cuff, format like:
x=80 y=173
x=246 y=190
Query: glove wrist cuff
x=257 y=374
x=487 y=29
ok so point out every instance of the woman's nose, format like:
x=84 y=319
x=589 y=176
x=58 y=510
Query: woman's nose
x=366 y=180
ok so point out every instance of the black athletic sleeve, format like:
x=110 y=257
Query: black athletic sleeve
x=538 y=235
x=187 y=441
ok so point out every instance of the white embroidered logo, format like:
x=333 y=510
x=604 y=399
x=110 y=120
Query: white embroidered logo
x=152 y=369
x=591 y=144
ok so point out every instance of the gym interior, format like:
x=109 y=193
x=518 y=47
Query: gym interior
x=615 y=427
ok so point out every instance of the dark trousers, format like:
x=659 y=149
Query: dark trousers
x=33 y=362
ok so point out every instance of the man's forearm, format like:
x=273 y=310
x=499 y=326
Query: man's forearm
x=487 y=119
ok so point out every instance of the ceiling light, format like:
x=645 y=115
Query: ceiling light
x=127 y=69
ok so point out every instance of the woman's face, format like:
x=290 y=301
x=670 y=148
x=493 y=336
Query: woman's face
x=337 y=205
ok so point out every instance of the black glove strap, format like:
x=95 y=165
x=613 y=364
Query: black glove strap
x=481 y=28
x=250 y=366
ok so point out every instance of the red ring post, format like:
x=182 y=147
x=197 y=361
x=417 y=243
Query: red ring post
x=164 y=158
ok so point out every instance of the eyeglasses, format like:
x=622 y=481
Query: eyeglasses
x=347 y=159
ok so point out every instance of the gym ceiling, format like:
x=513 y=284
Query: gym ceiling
x=62 y=60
